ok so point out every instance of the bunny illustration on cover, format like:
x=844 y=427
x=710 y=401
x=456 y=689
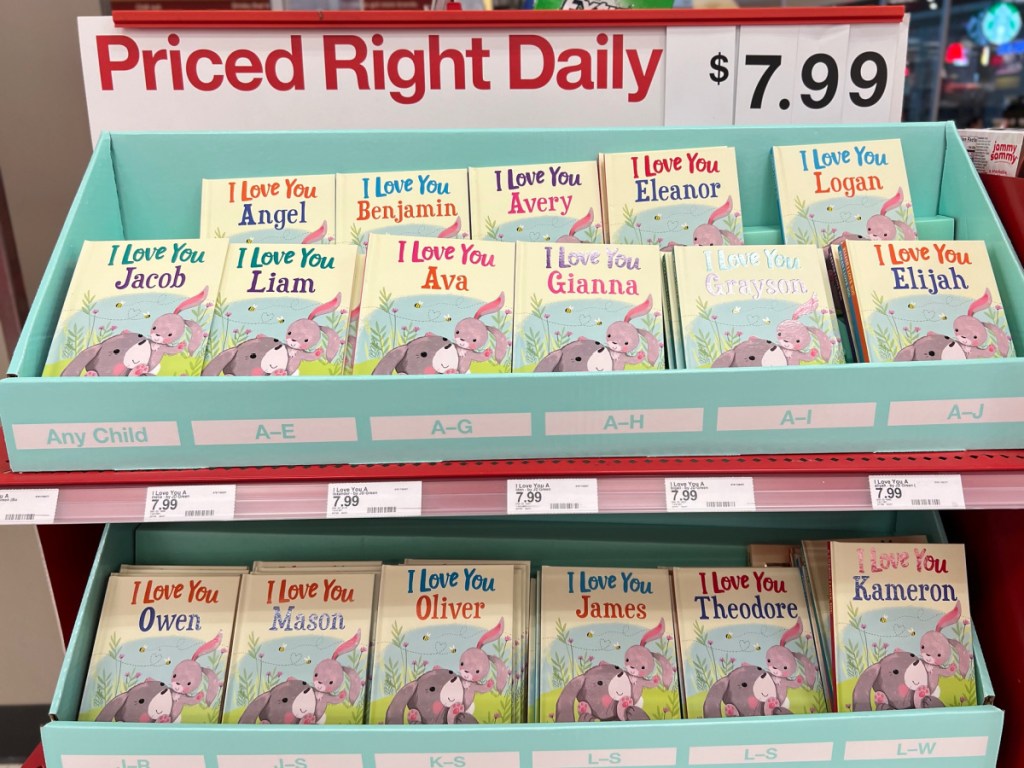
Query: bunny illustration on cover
x=623 y=338
x=881 y=227
x=475 y=665
x=187 y=677
x=782 y=664
x=967 y=342
x=329 y=676
x=471 y=334
x=710 y=234
x=640 y=664
x=168 y=329
x=578 y=226
x=937 y=652
x=305 y=334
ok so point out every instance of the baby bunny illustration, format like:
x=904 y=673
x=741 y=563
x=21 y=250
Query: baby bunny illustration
x=793 y=336
x=471 y=334
x=316 y=235
x=936 y=652
x=881 y=227
x=167 y=330
x=475 y=665
x=640 y=665
x=782 y=664
x=623 y=338
x=453 y=230
x=578 y=226
x=968 y=342
x=187 y=676
x=126 y=354
x=328 y=677
x=709 y=234
x=304 y=334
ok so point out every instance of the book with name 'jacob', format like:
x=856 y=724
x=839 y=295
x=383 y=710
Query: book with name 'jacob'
x=161 y=650
x=902 y=626
x=298 y=210
x=138 y=308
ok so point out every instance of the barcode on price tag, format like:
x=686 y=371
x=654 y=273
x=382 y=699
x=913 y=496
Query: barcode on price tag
x=375 y=499
x=916 y=492
x=28 y=506
x=552 y=497
x=709 y=494
x=190 y=502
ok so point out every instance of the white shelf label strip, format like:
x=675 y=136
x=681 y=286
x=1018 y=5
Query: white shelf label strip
x=552 y=496
x=361 y=500
x=916 y=492
x=710 y=494
x=189 y=502
x=28 y=506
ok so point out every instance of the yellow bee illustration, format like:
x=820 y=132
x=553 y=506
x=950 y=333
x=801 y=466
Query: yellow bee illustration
x=911 y=305
x=859 y=217
x=728 y=635
x=547 y=237
x=280 y=319
x=657 y=217
x=426 y=636
x=599 y=321
x=167 y=662
x=146 y=314
x=451 y=649
x=142 y=649
x=119 y=304
x=736 y=309
x=418 y=305
x=829 y=208
x=519 y=228
x=617 y=646
x=447 y=318
x=307 y=660
x=913 y=632
x=282 y=647
x=884 y=619
x=766 y=320
x=943 y=316
x=252 y=307
x=248 y=240
x=685 y=226
x=590 y=634
x=568 y=310
x=757 y=646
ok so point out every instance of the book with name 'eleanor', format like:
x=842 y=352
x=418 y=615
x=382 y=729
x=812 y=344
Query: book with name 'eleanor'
x=902 y=626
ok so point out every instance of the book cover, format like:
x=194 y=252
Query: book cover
x=162 y=645
x=902 y=627
x=751 y=306
x=606 y=651
x=854 y=190
x=587 y=308
x=300 y=651
x=441 y=651
x=998 y=152
x=297 y=210
x=282 y=311
x=137 y=308
x=673 y=197
x=746 y=644
x=434 y=305
x=924 y=300
x=549 y=202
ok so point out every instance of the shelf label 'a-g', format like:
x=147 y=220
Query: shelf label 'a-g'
x=624 y=422
x=450 y=426
x=783 y=417
x=274 y=431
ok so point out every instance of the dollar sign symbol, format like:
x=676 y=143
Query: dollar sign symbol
x=719 y=71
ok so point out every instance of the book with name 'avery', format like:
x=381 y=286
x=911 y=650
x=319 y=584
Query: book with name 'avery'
x=902 y=626
x=162 y=646
x=744 y=636
x=282 y=310
x=606 y=651
x=277 y=209
x=138 y=308
x=581 y=307
x=300 y=649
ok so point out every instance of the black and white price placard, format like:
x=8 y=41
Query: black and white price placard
x=28 y=506
x=552 y=496
x=916 y=492
x=709 y=494
x=190 y=502
x=403 y=499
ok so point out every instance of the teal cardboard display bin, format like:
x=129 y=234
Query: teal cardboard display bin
x=966 y=737
x=148 y=186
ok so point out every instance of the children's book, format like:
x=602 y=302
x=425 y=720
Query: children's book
x=300 y=652
x=673 y=197
x=923 y=300
x=588 y=308
x=282 y=310
x=746 y=643
x=854 y=190
x=550 y=202
x=902 y=626
x=606 y=651
x=442 y=650
x=161 y=650
x=138 y=308
x=435 y=305
x=753 y=306
x=295 y=210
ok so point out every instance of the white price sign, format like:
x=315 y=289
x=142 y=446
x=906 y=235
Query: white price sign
x=709 y=494
x=375 y=499
x=916 y=492
x=28 y=506
x=552 y=496
x=190 y=502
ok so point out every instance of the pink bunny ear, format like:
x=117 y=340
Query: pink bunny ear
x=205 y=648
x=950 y=618
x=654 y=634
x=583 y=223
x=807 y=307
x=721 y=212
x=347 y=646
x=491 y=306
x=316 y=235
x=792 y=633
x=199 y=298
x=892 y=202
x=492 y=634
x=327 y=308
x=453 y=230
x=978 y=304
x=640 y=309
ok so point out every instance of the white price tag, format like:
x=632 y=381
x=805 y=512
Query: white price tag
x=698 y=86
x=709 y=494
x=552 y=496
x=916 y=492
x=28 y=506
x=403 y=499
x=190 y=502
